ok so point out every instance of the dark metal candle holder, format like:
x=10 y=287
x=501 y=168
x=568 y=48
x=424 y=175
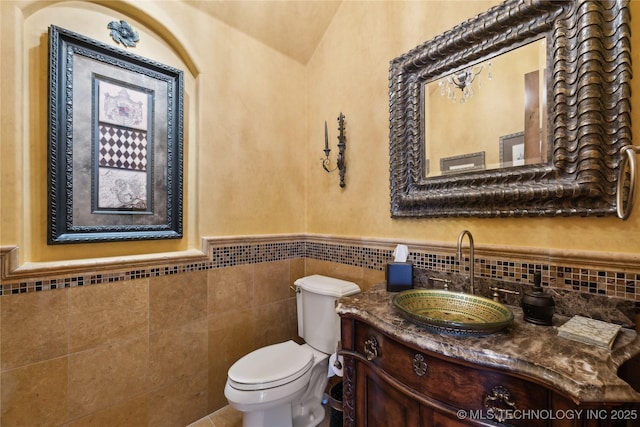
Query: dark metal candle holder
x=340 y=165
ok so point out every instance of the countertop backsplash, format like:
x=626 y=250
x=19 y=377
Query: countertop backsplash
x=568 y=303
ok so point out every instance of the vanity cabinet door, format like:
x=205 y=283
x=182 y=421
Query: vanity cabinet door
x=379 y=403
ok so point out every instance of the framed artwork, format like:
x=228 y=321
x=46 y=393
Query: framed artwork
x=462 y=163
x=115 y=143
x=512 y=150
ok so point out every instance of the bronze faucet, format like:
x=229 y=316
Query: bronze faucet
x=471 y=259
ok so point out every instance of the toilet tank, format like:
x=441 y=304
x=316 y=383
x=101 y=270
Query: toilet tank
x=318 y=322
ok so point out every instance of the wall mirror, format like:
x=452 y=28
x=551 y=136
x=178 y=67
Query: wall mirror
x=520 y=111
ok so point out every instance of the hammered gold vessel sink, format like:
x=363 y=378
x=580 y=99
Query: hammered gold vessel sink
x=453 y=312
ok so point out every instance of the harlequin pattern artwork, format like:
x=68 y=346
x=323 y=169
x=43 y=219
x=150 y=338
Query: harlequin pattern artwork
x=122 y=177
x=122 y=148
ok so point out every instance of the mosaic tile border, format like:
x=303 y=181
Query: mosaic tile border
x=371 y=254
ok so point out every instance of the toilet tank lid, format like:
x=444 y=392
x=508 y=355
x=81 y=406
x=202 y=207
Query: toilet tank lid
x=324 y=285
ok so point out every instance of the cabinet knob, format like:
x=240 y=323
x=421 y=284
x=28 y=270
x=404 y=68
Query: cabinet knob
x=419 y=365
x=499 y=403
x=371 y=348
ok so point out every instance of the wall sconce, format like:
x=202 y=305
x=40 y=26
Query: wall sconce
x=341 y=146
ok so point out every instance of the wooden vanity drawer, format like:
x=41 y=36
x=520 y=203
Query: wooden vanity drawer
x=449 y=382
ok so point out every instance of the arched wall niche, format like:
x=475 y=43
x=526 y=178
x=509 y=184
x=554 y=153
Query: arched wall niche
x=28 y=33
x=151 y=25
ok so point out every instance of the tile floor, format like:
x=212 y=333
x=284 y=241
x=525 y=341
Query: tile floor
x=229 y=417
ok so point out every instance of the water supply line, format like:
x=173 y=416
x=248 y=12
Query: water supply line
x=628 y=153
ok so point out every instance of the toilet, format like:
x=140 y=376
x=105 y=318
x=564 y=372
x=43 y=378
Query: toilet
x=283 y=384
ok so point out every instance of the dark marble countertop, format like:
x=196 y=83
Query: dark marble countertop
x=585 y=373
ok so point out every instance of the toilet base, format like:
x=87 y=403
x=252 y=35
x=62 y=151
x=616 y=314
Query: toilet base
x=308 y=411
x=281 y=416
x=311 y=418
x=278 y=416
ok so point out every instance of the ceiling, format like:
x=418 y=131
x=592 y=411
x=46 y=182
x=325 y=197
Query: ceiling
x=293 y=27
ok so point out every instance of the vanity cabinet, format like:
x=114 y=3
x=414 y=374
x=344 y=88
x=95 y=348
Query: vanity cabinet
x=388 y=382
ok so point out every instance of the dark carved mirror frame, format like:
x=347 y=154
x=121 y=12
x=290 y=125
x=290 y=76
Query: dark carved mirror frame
x=589 y=113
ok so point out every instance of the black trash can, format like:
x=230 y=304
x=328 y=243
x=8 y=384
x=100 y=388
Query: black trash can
x=335 y=402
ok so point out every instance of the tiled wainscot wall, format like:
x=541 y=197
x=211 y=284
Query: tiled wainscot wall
x=149 y=341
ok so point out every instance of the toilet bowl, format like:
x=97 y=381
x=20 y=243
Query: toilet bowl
x=282 y=385
x=279 y=385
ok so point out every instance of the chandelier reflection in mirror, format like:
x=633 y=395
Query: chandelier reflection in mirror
x=463 y=80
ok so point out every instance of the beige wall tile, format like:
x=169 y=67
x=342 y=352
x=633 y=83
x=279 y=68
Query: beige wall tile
x=1 y=299
x=107 y=313
x=177 y=299
x=179 y=403
x=230 y=338
x=178 y=352
x=293 y=319
x=316 y=266
x=107 y=375
x=296 y=269
x=35 y=394
x=272 y=323
x=34 y=327
x=231 y=288
x=347 y=272
x=370 y=278
x=272 y=281
x=132 y=413
x=134 y=341
x=217 y=381
x=335 y=269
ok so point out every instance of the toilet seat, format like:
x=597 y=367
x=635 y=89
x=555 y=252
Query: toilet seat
x=270 y=366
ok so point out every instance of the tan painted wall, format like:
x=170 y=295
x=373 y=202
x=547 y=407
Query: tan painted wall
x=255 y=130
x=349 y=72
x=244 y=124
